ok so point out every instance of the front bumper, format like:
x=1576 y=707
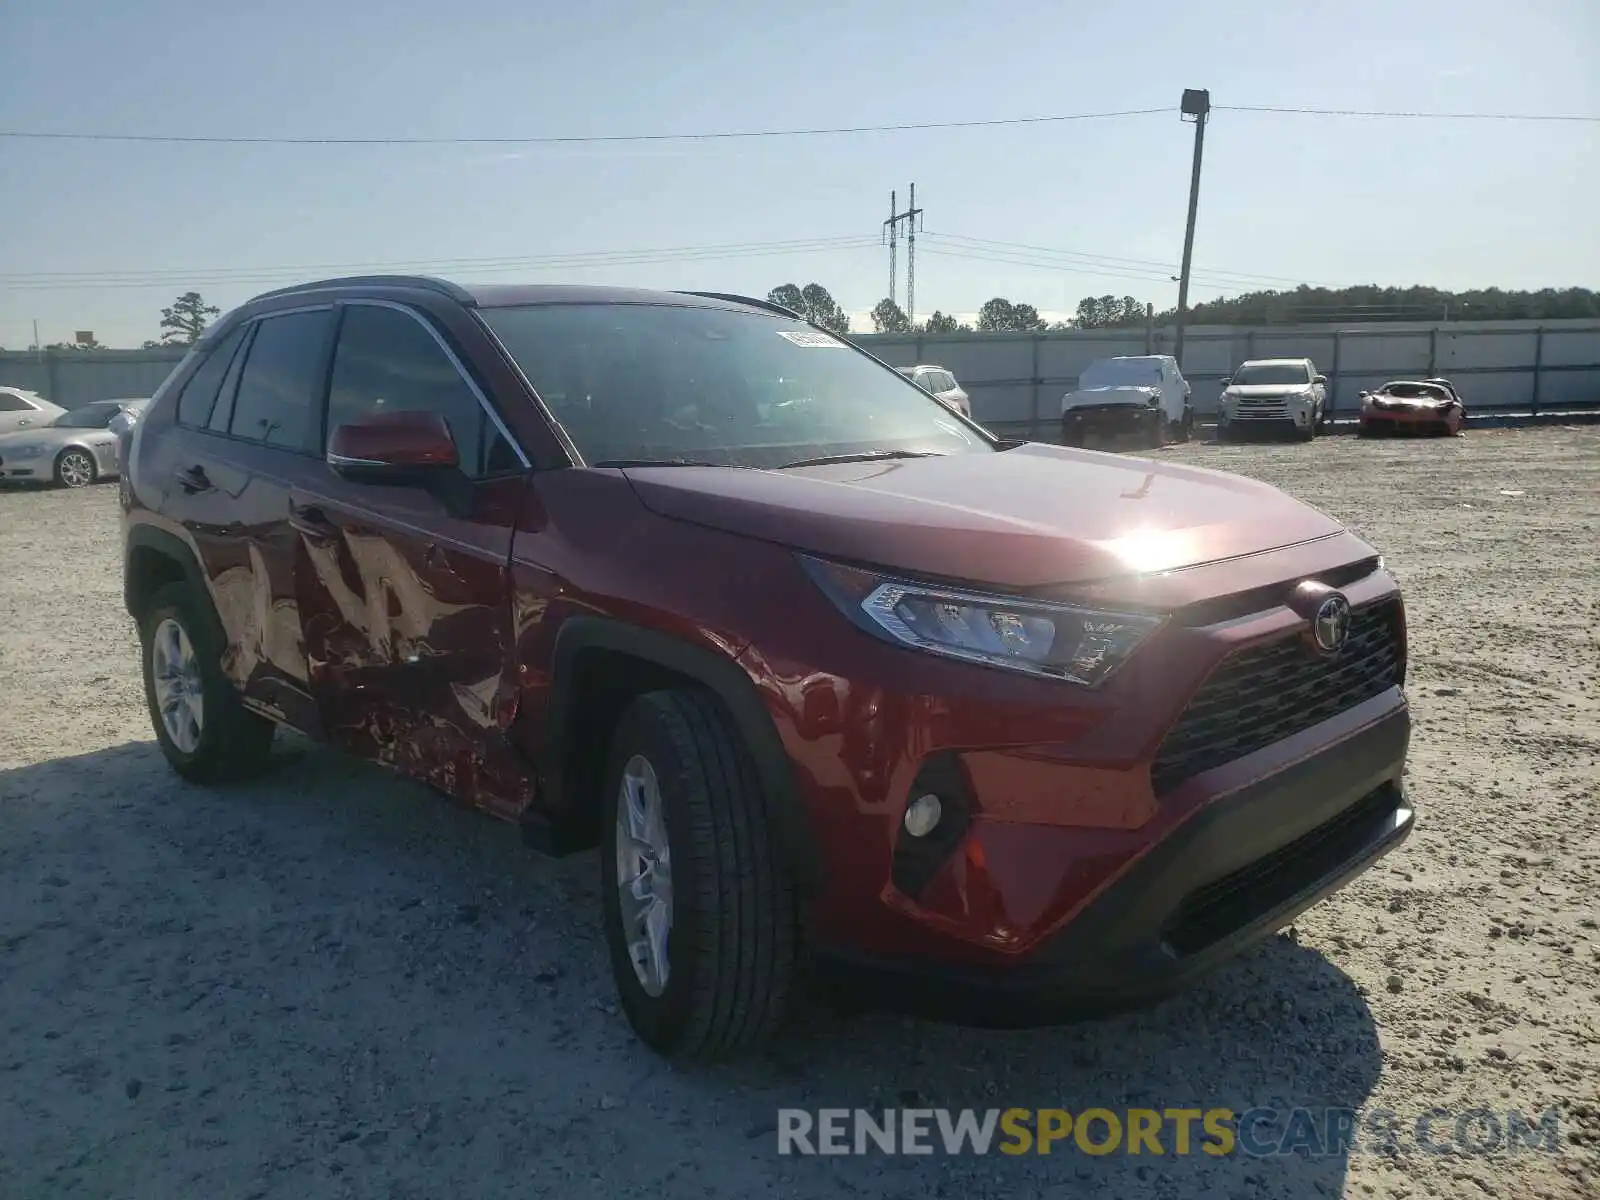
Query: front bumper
x=1271 y=415
x=26 y=469
x=1110 y=421
x=1240 y=867
x=1405 y=420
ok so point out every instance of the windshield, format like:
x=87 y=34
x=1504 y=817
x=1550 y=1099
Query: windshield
x=1254 y=374
x=1412 y=391
x=90 y=416
x=1114 y=372
x=661 y=382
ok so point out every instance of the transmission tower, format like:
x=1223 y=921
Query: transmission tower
x=912 y=218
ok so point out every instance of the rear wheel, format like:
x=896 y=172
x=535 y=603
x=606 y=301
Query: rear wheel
x=75 y=468
x=203 y=728
x=701 y=918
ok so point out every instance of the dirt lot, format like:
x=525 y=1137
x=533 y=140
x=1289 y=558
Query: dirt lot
x=330 y=983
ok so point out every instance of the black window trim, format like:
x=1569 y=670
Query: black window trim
x=251 y=326
x=455 y=361
x=243 y=330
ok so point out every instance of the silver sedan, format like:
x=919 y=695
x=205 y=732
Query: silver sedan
x=74 y=450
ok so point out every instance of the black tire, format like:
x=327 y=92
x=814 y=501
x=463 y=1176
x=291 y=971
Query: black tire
x=1224 y=434
x=234 y=743
x=1155 y=434
x=87 y=473
x=732 y=949
x=1186 y=424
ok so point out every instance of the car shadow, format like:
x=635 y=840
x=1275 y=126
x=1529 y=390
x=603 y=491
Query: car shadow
x=332 y=970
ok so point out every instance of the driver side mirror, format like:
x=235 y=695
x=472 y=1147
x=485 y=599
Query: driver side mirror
x=1320 y=379
x=394 y=448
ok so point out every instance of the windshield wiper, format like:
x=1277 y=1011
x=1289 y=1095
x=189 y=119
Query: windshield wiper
x=865 y=456
x=654 y=462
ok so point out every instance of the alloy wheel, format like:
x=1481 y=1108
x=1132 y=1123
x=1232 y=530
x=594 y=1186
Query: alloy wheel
x=644 y=874
x=175 y=673
x=76 y=469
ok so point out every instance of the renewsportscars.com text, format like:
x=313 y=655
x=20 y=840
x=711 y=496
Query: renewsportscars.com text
x=1255 y=1132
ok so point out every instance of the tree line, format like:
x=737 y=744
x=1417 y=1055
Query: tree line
x=1301 y=305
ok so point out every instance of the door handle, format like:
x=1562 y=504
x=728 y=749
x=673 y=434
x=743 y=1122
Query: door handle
x=193 y=479
x=310 y=520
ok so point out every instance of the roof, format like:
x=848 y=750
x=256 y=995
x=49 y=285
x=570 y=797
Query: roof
x=1275 y=362
x=505 y=295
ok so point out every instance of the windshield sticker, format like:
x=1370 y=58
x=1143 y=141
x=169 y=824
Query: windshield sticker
x=811 y=341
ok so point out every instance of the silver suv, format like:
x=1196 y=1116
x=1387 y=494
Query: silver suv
x=941 y=383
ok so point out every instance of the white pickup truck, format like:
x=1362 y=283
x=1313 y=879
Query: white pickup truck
x=1144 y=396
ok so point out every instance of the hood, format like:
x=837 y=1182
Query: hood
x=1126 y=393
x=1032 y=517
x=1266 y=391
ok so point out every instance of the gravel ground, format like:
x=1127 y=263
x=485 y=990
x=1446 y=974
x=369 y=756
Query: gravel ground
x=330 y=983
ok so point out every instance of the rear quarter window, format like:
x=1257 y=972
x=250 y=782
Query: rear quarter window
x=200 y=393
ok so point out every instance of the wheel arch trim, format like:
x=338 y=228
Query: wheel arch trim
x=718 y=674
x=167 y=545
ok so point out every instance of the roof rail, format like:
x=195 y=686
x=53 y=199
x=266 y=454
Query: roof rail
x=768 y=305
x=423 y=282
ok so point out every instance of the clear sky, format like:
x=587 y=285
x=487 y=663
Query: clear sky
x=1322 y=199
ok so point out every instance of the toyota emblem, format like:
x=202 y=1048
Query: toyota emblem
x=1330 y=627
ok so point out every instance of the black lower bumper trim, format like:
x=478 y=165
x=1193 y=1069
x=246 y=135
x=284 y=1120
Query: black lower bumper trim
x=1242 y=868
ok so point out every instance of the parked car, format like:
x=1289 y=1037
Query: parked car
x=1018 y=730
x=1274 y=394
x=1405 y=406
x=21 y=409
x=124 y=420
x=74 y=449
x=1144 y=396
x=941 y=383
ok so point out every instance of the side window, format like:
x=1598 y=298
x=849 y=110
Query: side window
x=222 y=410
x=200 y=393
x=281 y=385
x=386 y=361
x=10 y=403
x=947 y=382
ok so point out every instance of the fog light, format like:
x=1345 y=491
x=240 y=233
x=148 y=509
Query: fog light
x=922 y=815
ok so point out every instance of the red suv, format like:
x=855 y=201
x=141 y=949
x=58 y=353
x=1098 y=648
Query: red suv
x=828 y=673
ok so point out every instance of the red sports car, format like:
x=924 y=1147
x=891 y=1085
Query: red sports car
x=1426 y=406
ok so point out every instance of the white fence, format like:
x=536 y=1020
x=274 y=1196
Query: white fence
x=1016 y=380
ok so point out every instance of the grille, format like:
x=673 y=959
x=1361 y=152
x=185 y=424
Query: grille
x=1261 y=412
x=1267 y=693
x=1211 y=913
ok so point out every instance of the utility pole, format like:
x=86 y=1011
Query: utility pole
x=891 y=227
x=1196 y=104
x=912 y=218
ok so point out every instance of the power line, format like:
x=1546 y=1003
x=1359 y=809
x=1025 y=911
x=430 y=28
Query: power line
x=749 y=134
x=1094 y=271
x=1070 y=257
x=1401 y=116
x=564 y=140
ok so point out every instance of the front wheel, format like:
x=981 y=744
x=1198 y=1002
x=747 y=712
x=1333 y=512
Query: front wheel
x=75 y=468
x=701 y=918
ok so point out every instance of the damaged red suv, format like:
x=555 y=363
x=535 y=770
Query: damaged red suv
x=829 y=675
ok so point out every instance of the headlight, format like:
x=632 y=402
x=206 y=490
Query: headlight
x=1054 y=641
